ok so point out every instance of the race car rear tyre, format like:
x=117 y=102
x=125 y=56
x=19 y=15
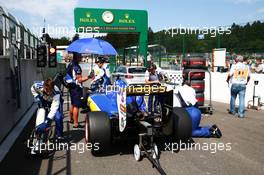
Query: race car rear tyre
x=86 y=130
x=99 y=134
x=182 y=124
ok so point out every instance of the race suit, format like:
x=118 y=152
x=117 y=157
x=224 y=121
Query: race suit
x=102 y=76
x=54 y=102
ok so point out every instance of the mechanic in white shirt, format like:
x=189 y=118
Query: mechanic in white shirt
x=102 y=74
x=238 y=76
x=48 y=95
x=185 y=97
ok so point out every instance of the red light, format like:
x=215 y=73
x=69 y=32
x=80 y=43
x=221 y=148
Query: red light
x=52 y=50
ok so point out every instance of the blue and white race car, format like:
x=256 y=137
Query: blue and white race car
x=122 y=109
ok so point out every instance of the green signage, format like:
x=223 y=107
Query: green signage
x=114 y=21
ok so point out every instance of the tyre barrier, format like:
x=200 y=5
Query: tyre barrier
x=194 y=63
x=198 y=85
x=193 y=75
x=200 y=99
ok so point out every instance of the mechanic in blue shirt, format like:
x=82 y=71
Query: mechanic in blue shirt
x=49 y=95
x=74 y=72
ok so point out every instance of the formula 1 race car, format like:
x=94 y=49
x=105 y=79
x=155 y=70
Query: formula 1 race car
x=122 y=109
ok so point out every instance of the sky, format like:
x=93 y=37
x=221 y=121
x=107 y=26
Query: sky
x=162 y=14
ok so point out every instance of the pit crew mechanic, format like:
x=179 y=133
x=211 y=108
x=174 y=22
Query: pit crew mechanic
x=49 y=95
x=102 y=74
x=152 y=77
x=74 y=75
x=186 y=97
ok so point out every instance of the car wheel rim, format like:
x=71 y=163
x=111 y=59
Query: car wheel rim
x=137 y=152
x=86 y=131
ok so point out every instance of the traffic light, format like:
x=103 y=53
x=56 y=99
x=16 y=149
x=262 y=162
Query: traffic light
x=41 y=56
x=52 y=57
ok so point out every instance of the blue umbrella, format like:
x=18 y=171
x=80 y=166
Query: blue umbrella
x=92 y=46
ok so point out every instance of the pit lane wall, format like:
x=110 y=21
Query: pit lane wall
x=10 y=112
x=221 y=90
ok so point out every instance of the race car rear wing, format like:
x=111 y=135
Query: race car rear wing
x=135 y=90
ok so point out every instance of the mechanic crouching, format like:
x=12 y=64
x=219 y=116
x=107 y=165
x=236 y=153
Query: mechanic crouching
x=49 y=96
x=186 y=97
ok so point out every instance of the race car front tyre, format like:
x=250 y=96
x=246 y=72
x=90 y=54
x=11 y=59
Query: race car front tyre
x=99 y=133
x=182 y=124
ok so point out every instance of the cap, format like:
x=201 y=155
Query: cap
x=100 y=59
x=76 y=55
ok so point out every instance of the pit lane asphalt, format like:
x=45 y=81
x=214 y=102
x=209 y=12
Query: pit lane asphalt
x=245 y=157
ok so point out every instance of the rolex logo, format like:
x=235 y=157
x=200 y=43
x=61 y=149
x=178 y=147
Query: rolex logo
x=126 y=16
x=88 y=14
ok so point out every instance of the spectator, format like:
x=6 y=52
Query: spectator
x=149 y=59
x=239 y=76
x=260 y=66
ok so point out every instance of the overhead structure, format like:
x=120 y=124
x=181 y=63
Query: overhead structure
x=91 y=20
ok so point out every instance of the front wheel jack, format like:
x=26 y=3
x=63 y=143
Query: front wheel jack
x=137 y=153
x=147 y=147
